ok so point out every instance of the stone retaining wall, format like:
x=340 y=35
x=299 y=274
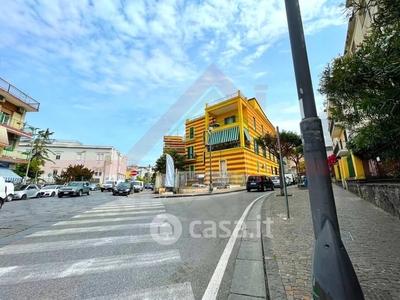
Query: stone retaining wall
x=384 y=195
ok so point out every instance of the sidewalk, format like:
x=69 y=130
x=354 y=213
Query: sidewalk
x=371 y=237
x=203 y=193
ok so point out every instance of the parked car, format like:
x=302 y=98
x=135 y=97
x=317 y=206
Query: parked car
x=25 y=191
x=149 y=186
x=3 y=193
x=94 y=186
x=108 y=186
x=198 y=185
x=74 y=188
x=139 y=183
x=259 y=182
x=9 y=191
x=276 y=181
x=137 y=187
x=123 y=188
x=49 y=190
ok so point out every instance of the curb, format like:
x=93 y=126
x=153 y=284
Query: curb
x=202 y=194
x=250 y=259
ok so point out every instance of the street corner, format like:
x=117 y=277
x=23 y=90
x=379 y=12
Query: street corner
x=166 y=229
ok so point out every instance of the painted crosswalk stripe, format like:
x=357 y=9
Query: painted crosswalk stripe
x=123 y=209
x=92 y=229
x=120 y=213
x=128 y=206
x=75 y=244
x=81 y=219
x=48 y=271
x=181 y=291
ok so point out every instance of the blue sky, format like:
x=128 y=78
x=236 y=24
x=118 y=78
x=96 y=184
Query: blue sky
x=105 y=71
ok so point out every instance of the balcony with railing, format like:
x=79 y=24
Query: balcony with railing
x=14 y=156
x=335 y=129
x=19 y=98
x=15 y=126
x=227 y=97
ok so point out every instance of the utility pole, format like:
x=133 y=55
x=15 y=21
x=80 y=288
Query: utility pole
x=333 y=275
x=282 y=175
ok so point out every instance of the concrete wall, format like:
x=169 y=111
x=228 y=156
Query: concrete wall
x=384 y=195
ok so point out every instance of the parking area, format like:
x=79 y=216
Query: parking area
x=19 y=215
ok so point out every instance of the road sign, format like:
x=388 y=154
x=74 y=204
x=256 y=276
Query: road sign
x=133 y=172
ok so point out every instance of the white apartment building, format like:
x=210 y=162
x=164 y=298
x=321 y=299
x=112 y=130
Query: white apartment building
x=106 y=161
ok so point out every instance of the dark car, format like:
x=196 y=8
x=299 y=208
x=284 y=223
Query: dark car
x=123 y=188
x=259 y=182
x=149 y=186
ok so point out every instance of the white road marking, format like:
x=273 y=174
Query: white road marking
x=181 y=291
x=92 y=229
x=118 y=213
x=100 y=220
x=215 y=281
x=122 y=209
x=48 y=271
x=74 y=244
x=127 y=206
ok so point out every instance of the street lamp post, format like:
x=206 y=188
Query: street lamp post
x=210 y=128
x=333 y=275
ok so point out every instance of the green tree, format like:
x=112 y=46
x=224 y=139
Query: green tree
x=39 y=154
x=75 y=172
x=289 y=141
x=296 y=155
x=179 y=161
x=363 y=88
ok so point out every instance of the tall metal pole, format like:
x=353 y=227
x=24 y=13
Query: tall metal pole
x=282 y=173
x=209 y=144
x=333 y=275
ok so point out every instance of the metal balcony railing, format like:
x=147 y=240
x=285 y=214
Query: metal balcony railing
x=18 y=94
x=238 y=93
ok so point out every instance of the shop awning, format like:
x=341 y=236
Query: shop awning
x=9 y=175
x=224 y=136
x=3 y=137
x=247 y=134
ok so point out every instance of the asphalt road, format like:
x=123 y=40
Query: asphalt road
x=110 y=247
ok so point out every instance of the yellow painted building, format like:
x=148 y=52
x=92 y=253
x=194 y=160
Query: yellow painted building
x=234 y=150
x=350 y=166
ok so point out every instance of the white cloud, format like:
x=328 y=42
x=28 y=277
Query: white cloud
x=151 y=41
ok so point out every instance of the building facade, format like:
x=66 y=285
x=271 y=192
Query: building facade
x=106 y=161
x=350 y=166
x=174 y=142
x=233 y=148
x=14 y=104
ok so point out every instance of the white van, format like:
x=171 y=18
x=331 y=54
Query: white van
x=138 y=183
x=3 y=191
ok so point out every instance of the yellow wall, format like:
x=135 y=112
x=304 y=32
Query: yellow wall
x=241 y=159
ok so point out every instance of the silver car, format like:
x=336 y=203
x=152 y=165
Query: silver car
x=276 y=181
x=26 y=191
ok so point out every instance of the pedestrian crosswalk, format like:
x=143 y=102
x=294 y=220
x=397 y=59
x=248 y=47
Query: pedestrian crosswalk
x=105 y=253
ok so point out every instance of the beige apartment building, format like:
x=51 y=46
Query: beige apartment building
x=106 y=161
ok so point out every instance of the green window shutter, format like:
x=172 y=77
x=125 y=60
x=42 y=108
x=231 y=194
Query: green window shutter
x=233 y=119
x=191 y=133
x=192 y=168
x=264 y=152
